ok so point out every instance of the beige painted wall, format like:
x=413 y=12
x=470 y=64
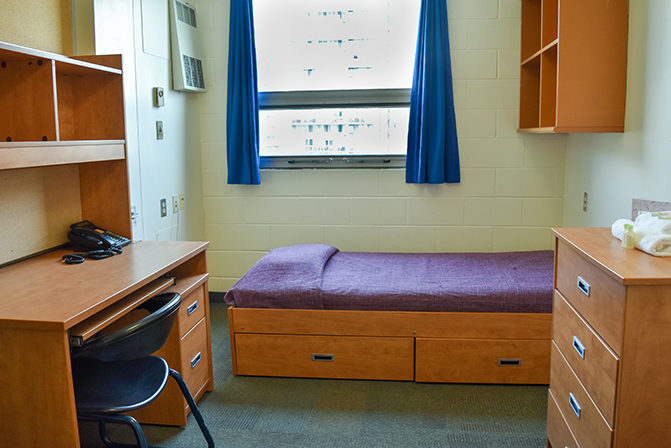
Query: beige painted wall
x=37 y=204
x=511 y=190
x=615 y=168
x=42 y=24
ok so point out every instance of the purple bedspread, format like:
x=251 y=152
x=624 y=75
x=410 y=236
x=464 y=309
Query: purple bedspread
x=317 y=276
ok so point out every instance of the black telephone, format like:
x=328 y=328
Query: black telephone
x=87 y=236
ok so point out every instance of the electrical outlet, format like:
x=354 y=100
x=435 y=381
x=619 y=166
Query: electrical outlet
x=159 y=130
x=584 y=202
x=164 y=208
x=181 y=202
x=175 y=203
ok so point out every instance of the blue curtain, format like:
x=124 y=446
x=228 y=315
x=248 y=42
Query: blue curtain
x=242 y=110
x=433 y=154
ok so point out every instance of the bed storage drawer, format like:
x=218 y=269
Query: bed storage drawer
x=589 y=357
x=325 y=356
x=581 y=414
x=558 y=432
x=482 y=361
x=597 y=296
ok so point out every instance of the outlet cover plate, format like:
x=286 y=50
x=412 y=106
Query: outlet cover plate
x=175 y=204
x=164 y=208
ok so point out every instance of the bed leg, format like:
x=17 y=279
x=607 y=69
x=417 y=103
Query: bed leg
x=234 y=359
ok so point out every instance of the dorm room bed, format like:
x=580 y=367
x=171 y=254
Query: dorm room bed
x=313 y=311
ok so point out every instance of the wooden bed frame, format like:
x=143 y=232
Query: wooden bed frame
x=453 y=347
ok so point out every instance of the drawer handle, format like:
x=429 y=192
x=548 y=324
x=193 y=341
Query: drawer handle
x=577 y=345
x=192 y=308
x=322 y=357
x=583 y=286
x=510 y=362
x=196 y=359
x=574 y=404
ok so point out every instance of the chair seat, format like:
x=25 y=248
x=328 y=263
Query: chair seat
x=117 y=386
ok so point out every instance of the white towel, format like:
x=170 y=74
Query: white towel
x=653 y=223
x=663 y=215
x=656 y=244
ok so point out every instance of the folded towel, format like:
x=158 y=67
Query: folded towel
x=653 y=223
x=663 y=215
x=656 y=244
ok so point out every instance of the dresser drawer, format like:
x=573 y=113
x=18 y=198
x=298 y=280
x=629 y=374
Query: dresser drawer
x=592 y=361
x=325 y=356
x=581 y=414
x=598 y=297
x=558 y=432
x=192 y=310
x=482 y=361
x=194 y=357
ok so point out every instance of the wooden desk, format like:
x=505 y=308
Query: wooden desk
x=41 y=299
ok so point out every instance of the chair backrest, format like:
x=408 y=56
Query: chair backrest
x=139 y=339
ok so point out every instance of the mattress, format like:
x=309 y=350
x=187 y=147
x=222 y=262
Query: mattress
x=319 y=276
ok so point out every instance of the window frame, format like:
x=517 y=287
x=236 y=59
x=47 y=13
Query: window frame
x=327 y=99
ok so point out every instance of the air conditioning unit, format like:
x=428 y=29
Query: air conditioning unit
x=187 y=59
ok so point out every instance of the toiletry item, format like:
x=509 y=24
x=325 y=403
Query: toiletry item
x=628 y=237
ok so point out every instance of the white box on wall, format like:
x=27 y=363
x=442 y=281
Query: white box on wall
x=187 y=59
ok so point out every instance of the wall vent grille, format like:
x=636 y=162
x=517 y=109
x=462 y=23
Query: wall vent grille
x=185 y=14
x=187 y=60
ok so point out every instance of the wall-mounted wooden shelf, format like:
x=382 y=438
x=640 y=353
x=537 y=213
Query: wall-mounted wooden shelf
x=63 y=107
x=573 y=66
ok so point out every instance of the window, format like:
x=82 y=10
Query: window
x=334 y=80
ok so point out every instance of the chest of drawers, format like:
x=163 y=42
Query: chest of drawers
x=610 y=378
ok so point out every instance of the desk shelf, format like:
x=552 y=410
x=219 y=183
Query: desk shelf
x=50 y=102
x=34 y=154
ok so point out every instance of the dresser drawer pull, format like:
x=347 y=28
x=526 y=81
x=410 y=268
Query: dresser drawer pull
x=583 y=286
x=574 y=404
x=192 y=308
x=510 y=362
x=196 y=359
x=577 y=345
x=322 y=357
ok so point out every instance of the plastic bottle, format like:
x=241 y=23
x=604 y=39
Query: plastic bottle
x=628 y=237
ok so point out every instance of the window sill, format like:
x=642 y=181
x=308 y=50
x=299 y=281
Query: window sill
x=326 y=162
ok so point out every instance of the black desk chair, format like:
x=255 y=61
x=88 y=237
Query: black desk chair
x=116 y=373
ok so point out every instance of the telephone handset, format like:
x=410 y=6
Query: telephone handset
x=87 y=236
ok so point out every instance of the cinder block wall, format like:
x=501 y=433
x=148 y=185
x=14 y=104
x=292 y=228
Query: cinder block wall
x=512 y=184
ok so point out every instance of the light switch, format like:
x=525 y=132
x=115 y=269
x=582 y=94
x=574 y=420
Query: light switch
x=159 y=130
x=159 y=97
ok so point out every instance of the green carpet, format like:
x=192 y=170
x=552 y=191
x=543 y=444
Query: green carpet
x=300 y=413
